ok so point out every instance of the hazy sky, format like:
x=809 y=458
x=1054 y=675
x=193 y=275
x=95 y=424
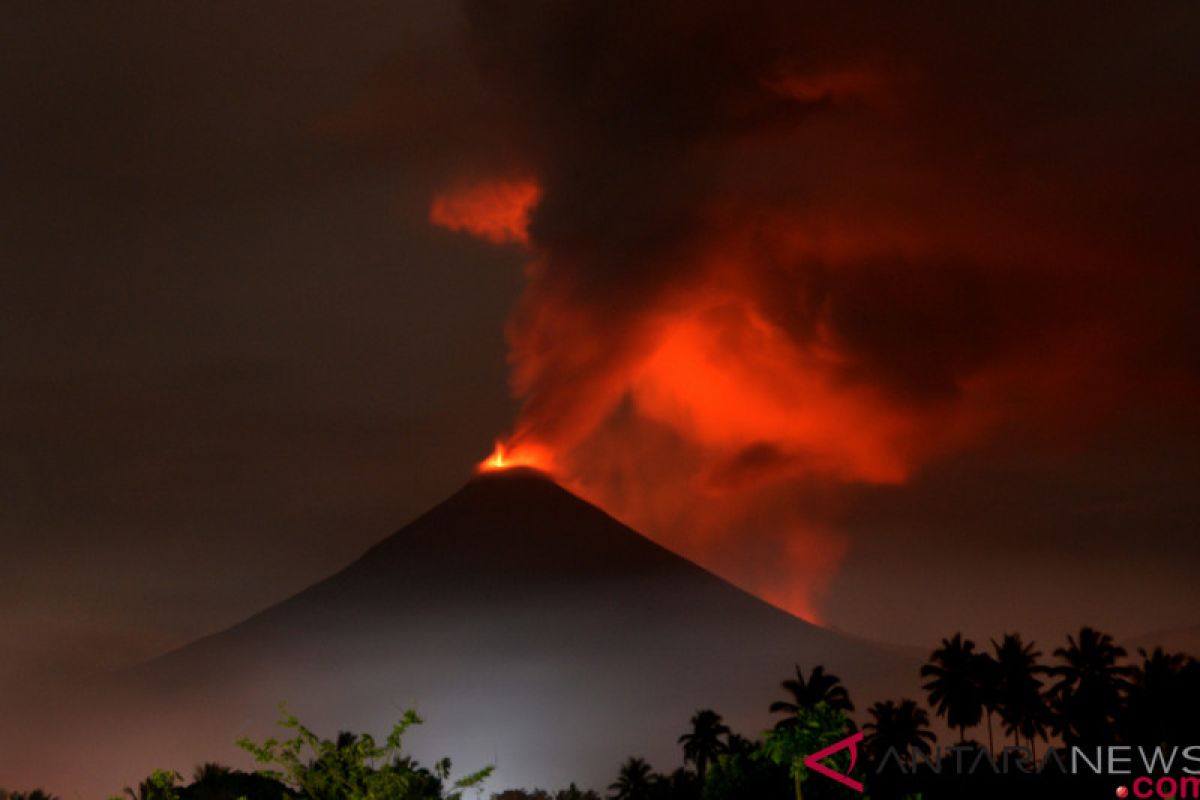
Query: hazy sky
x=234 y=352
x=891 y=318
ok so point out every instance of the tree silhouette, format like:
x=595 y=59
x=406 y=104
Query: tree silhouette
x=210 y=771
x=573 y=792
x=355 y=766
x=703 y=744
x=987 y=672
x=161 y=785
x=736 y=744
x=820 y=687
x=1087 y=699
x=743 y=774
x=634 y=781
x=812 y=730
x=216 y=782
x=1019 y=690
x=1162 y=699
x=903 y=727
x=682 y=784
x=955 y=691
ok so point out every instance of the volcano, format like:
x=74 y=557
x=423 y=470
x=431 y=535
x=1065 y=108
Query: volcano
x=530 y=629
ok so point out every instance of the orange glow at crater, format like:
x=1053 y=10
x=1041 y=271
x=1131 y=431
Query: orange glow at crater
x=506 y=456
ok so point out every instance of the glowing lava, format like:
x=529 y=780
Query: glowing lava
x=510 y=457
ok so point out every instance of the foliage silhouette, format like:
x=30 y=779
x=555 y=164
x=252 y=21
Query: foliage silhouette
x=1018 y=690
x=903 y=727
x=161 y=785
x=210 y=772
x=704 y=742
x=572 y=792
x=1096 y=698
x=217 y=782
x=956 y=688
x=354 y=767
x=811 y=730
x=1087 y=698
x=634 y=782
x=742 y=774
x=806 y=694
x=1162 y=700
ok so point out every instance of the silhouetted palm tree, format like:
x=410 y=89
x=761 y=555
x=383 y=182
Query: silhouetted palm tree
x=903 y=727
x=820 y=687
x=703 y=744
x=1087 y=699
x=1162 y=707
x=955 y=691
x=1019 y=691
x=988 y=675
x=634 y=782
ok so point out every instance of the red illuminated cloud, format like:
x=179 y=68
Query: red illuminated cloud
x=497 y=211
x=780 y=251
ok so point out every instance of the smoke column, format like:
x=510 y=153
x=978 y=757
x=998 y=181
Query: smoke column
x=777 y=250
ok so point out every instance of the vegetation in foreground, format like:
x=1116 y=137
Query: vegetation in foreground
x=1091 y=695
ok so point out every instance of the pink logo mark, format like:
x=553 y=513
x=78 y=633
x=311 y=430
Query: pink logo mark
x=813 y=762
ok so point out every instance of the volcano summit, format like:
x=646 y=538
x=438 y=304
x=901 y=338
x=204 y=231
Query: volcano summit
x=530 y=629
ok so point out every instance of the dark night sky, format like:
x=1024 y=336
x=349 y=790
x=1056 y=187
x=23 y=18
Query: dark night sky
x=234 y=352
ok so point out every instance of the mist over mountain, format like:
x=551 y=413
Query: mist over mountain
x=530 y=629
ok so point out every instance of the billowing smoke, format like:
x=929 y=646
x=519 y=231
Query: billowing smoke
x=776 y=249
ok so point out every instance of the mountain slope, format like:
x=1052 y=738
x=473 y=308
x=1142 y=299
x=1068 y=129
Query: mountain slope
x=532 y=630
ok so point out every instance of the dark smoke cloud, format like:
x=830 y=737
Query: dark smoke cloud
x=922 y=223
